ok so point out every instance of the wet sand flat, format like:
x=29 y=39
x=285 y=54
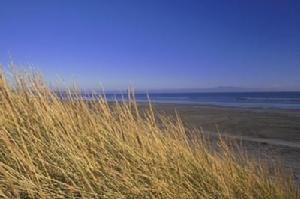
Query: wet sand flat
x=268 y=134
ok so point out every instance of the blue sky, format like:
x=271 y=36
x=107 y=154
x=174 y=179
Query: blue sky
x=156 y=44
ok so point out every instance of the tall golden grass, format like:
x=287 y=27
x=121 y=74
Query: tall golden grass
x=72 y=148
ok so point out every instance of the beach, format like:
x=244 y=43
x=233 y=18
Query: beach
x=269 y=135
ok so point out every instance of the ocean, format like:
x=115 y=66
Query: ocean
x=264 y=100
x=270 y=100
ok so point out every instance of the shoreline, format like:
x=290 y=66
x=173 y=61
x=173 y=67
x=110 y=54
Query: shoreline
x=219 y=106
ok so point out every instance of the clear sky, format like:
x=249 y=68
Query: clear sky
x=155 y=44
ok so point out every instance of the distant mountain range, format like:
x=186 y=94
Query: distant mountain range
x=214 y=89
x=220 y=89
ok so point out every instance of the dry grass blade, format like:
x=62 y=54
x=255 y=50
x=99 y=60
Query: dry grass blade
x=72 y=148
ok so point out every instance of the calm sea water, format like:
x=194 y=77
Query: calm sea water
x=273 y=100
x=277 y=100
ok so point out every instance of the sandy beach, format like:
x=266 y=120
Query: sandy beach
x=267 y=134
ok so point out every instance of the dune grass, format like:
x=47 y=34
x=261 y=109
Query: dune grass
x=72 y=148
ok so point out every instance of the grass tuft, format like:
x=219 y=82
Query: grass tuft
x=73 y=148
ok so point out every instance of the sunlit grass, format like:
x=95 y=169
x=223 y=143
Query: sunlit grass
x=72 y=148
